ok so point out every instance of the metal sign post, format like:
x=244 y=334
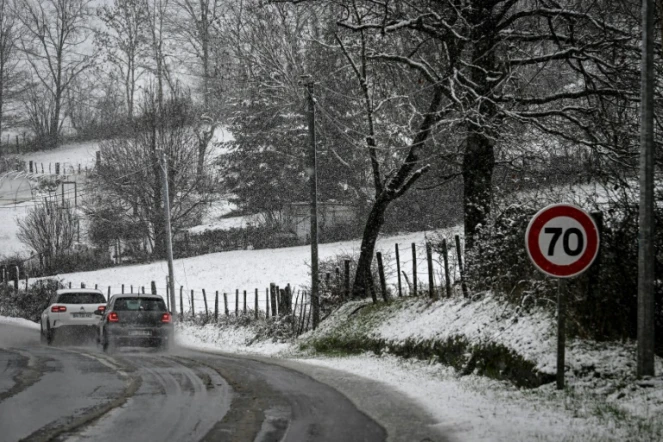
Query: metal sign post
x=562 y=241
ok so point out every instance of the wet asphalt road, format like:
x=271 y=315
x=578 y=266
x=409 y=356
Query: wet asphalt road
x=75 y=392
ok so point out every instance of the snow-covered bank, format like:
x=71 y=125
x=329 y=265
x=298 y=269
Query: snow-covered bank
x=19 y=322
x=603 y=400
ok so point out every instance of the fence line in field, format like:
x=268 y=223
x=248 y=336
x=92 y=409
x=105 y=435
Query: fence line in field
x=437 y=274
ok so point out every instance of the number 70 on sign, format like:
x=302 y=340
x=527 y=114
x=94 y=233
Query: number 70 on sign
x=562 y=240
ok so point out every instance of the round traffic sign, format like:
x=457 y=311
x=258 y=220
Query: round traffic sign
x=562 y=240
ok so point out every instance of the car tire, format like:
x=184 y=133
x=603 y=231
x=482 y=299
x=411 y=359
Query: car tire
x=109 y=345
x=164 y=345
x=42 y=335
x=50 y=334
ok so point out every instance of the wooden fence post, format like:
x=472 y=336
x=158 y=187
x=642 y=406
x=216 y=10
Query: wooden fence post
x=272 y=293
x=109 y=291
x=461 y=269
x=69 y=284
x=447 y=278
x=18 y=272
x=181 y=303
x=153 y=287
x=266 y=303
x=278 y=301
x=431 y=280
x=225 y=304
x=82 y=285
x=216 y=307
x=398 y=271
x=414 y=269
x=255 y=315
x=236 y=302
x=383 y=283
x=347 y=279
x=301 y=326
x=193 y=309
x=294 y=314
x=244 y=301
x=368 y=284
x=142 y=289
x=288 y=299
x=123 y=288
x=206 y=309
x=30 y=166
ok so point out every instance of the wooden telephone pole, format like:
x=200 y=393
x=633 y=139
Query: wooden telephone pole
x=313 y=179
x=169 y=241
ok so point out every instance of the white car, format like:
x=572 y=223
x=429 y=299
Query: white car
x=72 y=310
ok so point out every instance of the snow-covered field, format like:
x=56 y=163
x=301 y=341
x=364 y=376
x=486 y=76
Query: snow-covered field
x=9 y=243
x=70 y=155
x=248 y=269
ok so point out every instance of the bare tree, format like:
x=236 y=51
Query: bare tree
x=56 y=32
x=49 y=229
x=11 y=77
x=128 y=180
x=125 y=43
x=486 y=65
x=194 y=22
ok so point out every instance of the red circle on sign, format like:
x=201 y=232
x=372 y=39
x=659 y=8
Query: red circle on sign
x=534 y=231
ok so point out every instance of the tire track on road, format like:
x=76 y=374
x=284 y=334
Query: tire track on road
x=176 y=401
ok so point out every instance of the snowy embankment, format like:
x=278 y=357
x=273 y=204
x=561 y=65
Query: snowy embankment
x=603 y=401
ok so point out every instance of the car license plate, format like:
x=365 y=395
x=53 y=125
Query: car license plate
x=81 y=315
x=140 y=333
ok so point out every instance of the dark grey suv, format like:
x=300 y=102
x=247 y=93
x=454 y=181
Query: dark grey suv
x=135 y=320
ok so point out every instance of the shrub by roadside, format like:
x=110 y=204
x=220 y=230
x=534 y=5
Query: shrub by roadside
x=28 y=304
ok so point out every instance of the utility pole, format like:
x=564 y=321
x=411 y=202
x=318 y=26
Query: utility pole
x=646 y=258
x=313 y=179
x=169 y=242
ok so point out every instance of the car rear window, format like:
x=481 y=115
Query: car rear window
x=81 y=298
x=140 y=304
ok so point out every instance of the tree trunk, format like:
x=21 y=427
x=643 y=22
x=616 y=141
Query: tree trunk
x=479 y=156
x=371 y=231
x=478 y=165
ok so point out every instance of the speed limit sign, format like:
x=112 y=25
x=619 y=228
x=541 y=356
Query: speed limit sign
x=562 y=240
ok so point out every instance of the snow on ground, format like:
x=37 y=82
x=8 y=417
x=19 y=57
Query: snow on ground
x=246 y=269
x=602 y=400
x=232 y=340
x=68 y=154
x=470 y=408
x=214 y=218
x=9 y=243
x=532 y=335
x=19 y=322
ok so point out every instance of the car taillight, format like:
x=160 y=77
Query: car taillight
x=166 y=318
x=58 y=308
x=113 y=317
x=102 y=308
